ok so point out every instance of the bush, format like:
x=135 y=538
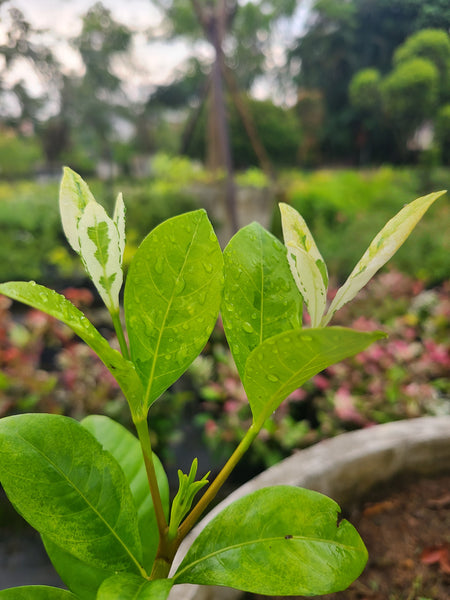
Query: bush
x=19 y=157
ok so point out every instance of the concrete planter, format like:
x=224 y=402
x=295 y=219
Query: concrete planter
x=345 y=468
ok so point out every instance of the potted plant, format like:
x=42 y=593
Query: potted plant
x=99 y=496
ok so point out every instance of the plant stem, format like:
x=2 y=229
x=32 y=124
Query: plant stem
x=120 y=335
x=144 y=438
x=215 y=486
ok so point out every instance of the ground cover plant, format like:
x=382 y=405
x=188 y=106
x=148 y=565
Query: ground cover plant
x=98 y=495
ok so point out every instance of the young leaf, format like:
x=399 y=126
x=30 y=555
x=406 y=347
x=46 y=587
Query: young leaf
x=278 y=541
x=119 y=221
x=286 y=361
x=100 y=250
x=129 y=587
x=260 y=298
x=126 y=449
x=381 y=249
x=187 y=490
x=36 y=592
x=62 y=482
x=307 y=265
x=172 y=298
x=59 y=307
x=74 y=196
x=99 y=240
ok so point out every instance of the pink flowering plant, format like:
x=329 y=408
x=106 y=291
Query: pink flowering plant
x=99 y=496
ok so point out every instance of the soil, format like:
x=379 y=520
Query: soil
x=407 y=534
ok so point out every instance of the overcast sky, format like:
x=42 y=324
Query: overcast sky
x=153 y=63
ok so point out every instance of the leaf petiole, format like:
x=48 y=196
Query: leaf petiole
x=115 y=316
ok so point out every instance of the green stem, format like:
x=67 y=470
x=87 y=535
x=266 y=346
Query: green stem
x=120 y=335
x=215 y=486
x=144 y=438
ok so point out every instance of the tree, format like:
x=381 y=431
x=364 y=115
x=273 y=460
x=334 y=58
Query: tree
x=23 y=43
x=343 y=38
x=95 y=102
x=240 y=36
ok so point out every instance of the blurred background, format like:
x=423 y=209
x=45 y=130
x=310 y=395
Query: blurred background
x=340 y=108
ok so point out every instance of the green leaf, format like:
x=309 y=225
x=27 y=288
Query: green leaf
x=172 y=298
x=129 y=587
x=62 y=482
x=279 y=541
x=260 y=297
x=286 y=361
x=307 y=265
x=74 y=196
x=381 y=249
x=36 y=592
x=57 y=306
x=83 y=579
x=126 y=449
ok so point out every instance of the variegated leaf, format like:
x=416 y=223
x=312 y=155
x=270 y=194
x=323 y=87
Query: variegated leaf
x=100 y=252
x=74 y=195
x=307 y=265
x=381 y=249
x=119 y=220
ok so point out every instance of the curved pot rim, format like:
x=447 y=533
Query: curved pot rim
x=345 y=468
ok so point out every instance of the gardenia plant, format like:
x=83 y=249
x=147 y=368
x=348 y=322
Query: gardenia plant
x=99 y=496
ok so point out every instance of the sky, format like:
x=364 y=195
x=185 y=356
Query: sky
x=153 y=63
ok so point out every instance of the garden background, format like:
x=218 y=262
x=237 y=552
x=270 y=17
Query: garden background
x=341 y=109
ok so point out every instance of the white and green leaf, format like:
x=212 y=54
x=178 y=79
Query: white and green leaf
x=381 y=249
x=119 y=220
x=307 y=265
x=74 y=196
x=100 y=249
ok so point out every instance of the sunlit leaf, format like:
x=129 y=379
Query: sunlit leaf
x=381 y=249
x=62 y=482
x=277 y=541
x=172 y=297
x=286 y=361
x=260 y=297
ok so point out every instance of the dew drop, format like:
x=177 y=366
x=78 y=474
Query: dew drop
x=306 y=338
x=254 y=316
x=208 y=267
x=247 y=327
x=180 y=284
x=272 y=377
x=159 y=268
x=201 y=298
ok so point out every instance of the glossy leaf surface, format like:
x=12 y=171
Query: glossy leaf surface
x=307 y=265
x=277 y=541
x=381 y=249
x=129 y=587
x=172 y=298
x=62 y=482
x=260 y=297
x=126 y=449
x=36 y=592
x=82 y=578
x=58 y=306
x=285 y=362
